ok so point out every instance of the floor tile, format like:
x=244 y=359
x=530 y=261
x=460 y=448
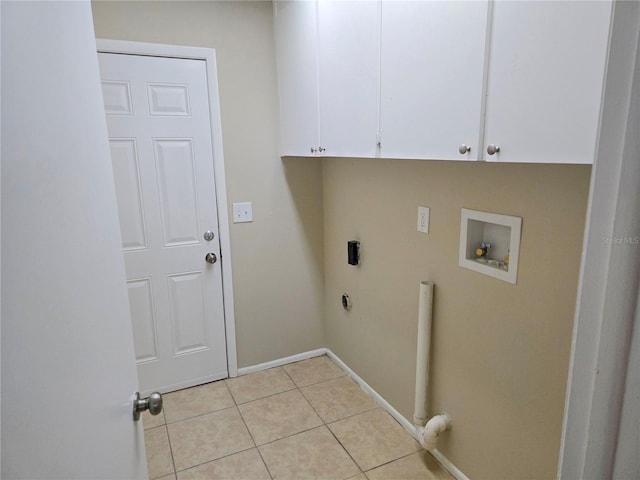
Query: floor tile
x=194 y=401
x=168 y=477
x=245 y=465
x=418 y=466
x=151 y=421
x=338 y=399
x=373 y=438
x=159 y=461
x=359 y=477
x=208 y=437
x=278 y=416
x=314 y=370
x=314 y=454
x=260 y=384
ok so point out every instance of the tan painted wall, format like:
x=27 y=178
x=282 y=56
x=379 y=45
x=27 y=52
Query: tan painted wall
x=501 y=351
x=277 y=259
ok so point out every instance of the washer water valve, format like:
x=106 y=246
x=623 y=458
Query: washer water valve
x=482 y=251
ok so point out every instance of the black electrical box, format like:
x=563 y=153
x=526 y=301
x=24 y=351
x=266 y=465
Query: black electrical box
x=353 y=252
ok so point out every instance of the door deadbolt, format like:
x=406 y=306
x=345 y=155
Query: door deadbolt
x=208 y=235
x=211 y=257
x=153 y=403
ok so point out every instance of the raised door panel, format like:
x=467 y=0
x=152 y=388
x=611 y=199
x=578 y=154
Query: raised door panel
x=546 y=73
x=177 y=188
x=295 y=24
x=432 y=78
x=143 y=319
x=186 y=297
x=126 y=171
x=349 y=58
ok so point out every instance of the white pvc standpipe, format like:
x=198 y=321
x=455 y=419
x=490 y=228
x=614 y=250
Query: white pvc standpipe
x=425 y=315
x=427 y=434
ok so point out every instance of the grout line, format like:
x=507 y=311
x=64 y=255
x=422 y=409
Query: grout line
x=345 y=449
x=287 y=374
x=399 y=458
x=354 y=415
x=202 y=414
x=173 y=461
x=266 y=396
x=289 y=436
x=214 y=460
x=264 y=463
x=244 y=422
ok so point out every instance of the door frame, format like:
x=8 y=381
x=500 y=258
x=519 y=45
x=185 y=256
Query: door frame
x=209 y=57
x=595 y=441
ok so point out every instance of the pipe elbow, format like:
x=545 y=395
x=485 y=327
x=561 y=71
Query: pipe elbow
x=428 y=435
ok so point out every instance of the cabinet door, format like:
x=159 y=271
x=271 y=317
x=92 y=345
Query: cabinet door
x=432 y=78
x=295 y=24
x=546 y=73
x=349 y=37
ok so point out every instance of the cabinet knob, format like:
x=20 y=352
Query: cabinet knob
x=492 y=149
x=464 y=149
x=321 y=149
x=314 y=150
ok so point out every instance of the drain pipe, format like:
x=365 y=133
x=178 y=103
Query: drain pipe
x=427 y=432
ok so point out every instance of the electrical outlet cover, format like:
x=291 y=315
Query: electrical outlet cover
x=423 y=219
x=242 y=212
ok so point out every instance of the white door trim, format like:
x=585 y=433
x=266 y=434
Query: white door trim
x=209 y=56
x=607 y=304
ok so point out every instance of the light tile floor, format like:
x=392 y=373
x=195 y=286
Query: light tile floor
x=306 y=420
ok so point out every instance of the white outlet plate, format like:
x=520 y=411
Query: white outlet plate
x=423 y=219
x=242 y=212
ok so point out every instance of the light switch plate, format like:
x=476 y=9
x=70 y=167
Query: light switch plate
x=423 y=219
x=242 y=212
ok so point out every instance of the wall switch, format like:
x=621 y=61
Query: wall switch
x=423 y=219
x=242 y=212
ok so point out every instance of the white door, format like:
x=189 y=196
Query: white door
x=68 y=370
x=160 y=137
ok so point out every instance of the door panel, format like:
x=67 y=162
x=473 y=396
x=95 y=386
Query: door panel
x=177 y=189
x=124 y=157
x=144 y=331
x=160 y=136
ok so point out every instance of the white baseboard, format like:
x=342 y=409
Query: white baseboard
x=282 y=361
x=408 y=426
x=450 y=467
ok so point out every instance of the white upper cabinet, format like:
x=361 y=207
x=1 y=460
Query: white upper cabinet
x=295 y=24
x=432 y=79
x=545 y=79
x=507 y=81
x=349 y=59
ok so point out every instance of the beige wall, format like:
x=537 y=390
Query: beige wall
x=500 y=351
x=277 y=259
